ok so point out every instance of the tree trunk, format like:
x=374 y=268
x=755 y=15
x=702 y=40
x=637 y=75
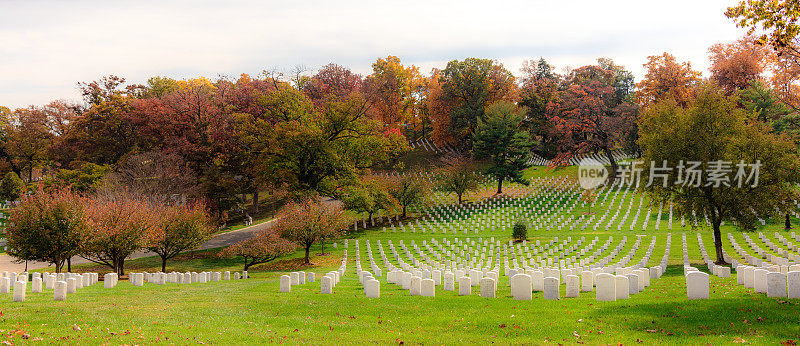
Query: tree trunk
x=404 y=211
x=308 y=249
x=788 y=223
x=718 y=241
x=322 y=243
x=121 y=267
x=246 y=265
x=500 y=185
x=163 y=264
x=255 y=202
x=613 y=174
x=459 y=198
x=69 y=265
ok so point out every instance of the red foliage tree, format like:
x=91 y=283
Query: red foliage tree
x=262 y=248
x=311 y=220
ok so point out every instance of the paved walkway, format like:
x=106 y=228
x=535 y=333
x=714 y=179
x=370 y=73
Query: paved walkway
x=219 y=240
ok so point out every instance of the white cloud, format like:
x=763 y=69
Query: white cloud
x=46 y=47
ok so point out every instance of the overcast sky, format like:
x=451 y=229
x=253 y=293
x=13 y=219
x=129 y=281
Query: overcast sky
x=46 y=47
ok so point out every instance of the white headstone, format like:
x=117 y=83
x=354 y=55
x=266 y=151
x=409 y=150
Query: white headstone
x=326 y=285
x=551 y=288
x=606 y=287
x=488 y=287
x=36 y=284
x=464 y=286
x=793 y=290
x=623 y=287
x=522 y=287
x=776 y=285
x=286 y=284
x=71 y=285
x=60 y=291
x=373 y=288
x=449 y=281
x=573 y=286
x=697 y=285
x=415 y=288
x=19 y=291
x=587 y=281
x=428 y=288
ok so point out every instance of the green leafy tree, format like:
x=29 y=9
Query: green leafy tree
x=369 y=196
x=317 y=148
x=84 y=179
x=459 y=98
x=499 y=138
x=408 y=190
x=711 y=130
x=457 y=176
x=11 y=187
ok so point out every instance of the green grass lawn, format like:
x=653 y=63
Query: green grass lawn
x=254 y=312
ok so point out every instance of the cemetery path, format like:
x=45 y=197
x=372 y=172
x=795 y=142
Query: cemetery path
x=219 y=240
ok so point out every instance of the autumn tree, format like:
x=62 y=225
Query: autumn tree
x=457 y=175
x=394 y=91
x=499 y=139
x=118 y=226
x=594 y=114
x=178 y=228
x=264 y=247
x=734 y=66
x=317 y=148
x=309 y=221
x=540 y=86
x=666 y=78
x=465 y=89
x=778 y=20
x=714 y=132
x=101 y=132
x=29 y=138
x=47 y=227
x=332 y=82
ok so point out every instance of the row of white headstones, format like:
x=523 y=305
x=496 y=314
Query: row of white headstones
x=545 y=204
x=63 y=284
x=524 y=281
x=327 y=282
x=774 y=275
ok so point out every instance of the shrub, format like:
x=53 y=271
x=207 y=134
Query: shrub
x=520 y=231
x=11 y=187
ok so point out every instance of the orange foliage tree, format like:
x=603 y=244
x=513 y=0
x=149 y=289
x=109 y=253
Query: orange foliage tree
x=735 y=65
x=394 y=90
x=667 y=78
